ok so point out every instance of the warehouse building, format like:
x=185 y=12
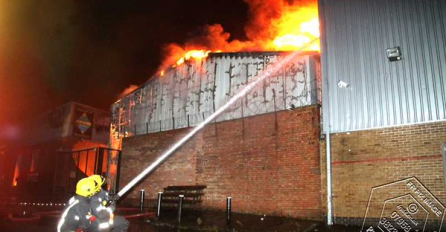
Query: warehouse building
x=382 y=125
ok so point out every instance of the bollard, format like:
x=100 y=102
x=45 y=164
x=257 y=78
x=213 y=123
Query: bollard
x=141 y=200
x=180 y=207
x=228 y=210
x=160 y=199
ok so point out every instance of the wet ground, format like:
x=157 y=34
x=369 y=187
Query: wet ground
x=46 y=218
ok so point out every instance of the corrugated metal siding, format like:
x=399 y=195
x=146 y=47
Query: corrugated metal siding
x=356 y=35
x=188 y=94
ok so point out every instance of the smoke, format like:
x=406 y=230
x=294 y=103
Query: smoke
x=266 y=20
x=261 y=13
x=213 y=37
x=209 y=37
x=171 y=53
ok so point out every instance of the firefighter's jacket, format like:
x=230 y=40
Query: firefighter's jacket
x=100 y=207
x=77 y=215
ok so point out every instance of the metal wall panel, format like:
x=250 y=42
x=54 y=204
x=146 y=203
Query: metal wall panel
x=189 y=93
x=355 y=36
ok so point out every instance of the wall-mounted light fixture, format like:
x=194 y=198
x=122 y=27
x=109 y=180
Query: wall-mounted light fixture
x=394 y=54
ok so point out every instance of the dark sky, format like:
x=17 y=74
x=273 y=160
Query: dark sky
x=89 y=51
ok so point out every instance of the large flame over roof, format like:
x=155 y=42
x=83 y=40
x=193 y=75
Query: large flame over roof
x=274 y=25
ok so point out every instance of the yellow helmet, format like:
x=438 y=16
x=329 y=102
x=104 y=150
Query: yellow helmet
x=98 y=182
x=85 y=187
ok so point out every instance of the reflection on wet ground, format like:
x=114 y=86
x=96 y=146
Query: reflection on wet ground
x=190 y=222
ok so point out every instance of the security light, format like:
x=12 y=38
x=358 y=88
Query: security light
x=394 y=54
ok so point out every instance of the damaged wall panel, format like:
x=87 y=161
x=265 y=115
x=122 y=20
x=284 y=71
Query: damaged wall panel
x=189 y=93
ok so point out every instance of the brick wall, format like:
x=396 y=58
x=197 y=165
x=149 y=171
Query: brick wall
x=366 y=159
x=268 y=164
x=138 y=152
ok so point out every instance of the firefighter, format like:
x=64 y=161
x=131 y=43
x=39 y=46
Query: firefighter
x=78 y=215
x=103 y=208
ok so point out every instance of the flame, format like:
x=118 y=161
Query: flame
x=274 y=25
x=16 y=173
x=296 y=29
x=195 y=54
x=162 y=73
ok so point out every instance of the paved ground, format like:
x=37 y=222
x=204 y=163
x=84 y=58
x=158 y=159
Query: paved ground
x=191 y=221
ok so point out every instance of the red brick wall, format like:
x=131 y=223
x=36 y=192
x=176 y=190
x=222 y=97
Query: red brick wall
x=140 y=151
x=268 y=164
x=364 y=159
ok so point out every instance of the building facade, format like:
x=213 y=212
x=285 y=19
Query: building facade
x=262 y=150
x=57 y=148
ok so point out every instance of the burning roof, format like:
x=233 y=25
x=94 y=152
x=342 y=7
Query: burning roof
x=274 y=25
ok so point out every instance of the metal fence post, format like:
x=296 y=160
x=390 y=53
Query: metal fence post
x=228 y=210
x=160 y=199
x=141 y=200
x=180 y=207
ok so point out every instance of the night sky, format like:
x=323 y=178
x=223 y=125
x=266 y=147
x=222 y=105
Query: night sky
x=89 y=51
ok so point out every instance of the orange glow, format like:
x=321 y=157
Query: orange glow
x=111 y=180
x=85 y=162
x=127 y=90
x=85 y=158
x=162 y=73
x=115 y=138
